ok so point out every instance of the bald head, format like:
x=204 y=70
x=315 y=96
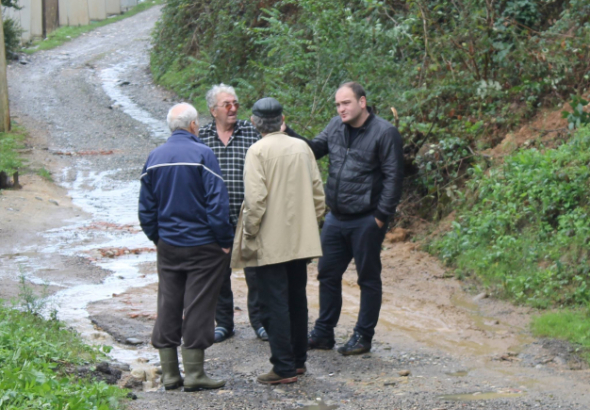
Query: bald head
x=182 y=116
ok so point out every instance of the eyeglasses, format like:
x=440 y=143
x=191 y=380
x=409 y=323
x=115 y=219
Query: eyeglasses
x=228 y=105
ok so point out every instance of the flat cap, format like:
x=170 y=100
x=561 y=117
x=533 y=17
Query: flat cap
x=267 y=107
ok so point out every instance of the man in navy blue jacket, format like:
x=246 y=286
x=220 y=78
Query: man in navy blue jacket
x=184 y=210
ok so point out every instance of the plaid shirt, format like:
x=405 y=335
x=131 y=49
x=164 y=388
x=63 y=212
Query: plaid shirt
x=231 y=159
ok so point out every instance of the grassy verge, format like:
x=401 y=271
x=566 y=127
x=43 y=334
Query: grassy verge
x=570 y=325
x=523 y=231
x=67 y=33
x=35 y=355
x=10 y=159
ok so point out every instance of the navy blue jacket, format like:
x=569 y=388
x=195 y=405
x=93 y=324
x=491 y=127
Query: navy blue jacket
x=183 y=199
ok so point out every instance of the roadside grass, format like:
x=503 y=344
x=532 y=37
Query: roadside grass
x=522 y=230
x=10 y=142
x=67 y=33
x=570 y=325
x=35 y=355
x=43 y=173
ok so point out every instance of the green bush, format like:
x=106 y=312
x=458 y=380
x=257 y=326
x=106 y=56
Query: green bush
x=12 y=38
x=34 y=355
x=10 y=160
x=524 y=228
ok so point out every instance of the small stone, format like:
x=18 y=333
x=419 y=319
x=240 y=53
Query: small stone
x=139 y=374
x=133 y=341
x=559 y=360
x=367 y=356
x=389 y=383
x=131 y=396
x=404 y=373
x=238 y=308
x=481 y=296
x=133 y=383
x=54 y=202
x=39 y=198
x=124 y=367
x=279 y=391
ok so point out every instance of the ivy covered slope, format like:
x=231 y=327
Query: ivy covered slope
x=444 y=65
x=524 y=227
x=36 y=358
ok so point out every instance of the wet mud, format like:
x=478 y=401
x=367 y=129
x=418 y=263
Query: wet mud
x=94 y=115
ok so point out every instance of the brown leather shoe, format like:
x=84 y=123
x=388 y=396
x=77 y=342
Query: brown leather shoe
x=301 y=370
x=273 y=378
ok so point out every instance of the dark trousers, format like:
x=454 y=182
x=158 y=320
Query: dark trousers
x=283 y=308
x=360 y=239
x=224 y=316
x=189 y=282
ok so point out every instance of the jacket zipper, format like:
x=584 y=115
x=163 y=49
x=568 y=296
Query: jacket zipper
x=342 y=167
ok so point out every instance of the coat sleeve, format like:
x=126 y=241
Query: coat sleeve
x=217 y=201
x=148 y=207
x=255 y=194
x=319 y=198
x=391 y=157
x=319 y=145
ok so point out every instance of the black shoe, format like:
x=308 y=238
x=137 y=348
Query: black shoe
x=222 y=334
x=321 y=343
x=357 y=344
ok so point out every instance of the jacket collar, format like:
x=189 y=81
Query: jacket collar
x=179 y=135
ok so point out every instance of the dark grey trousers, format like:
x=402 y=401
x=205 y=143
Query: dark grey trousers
x=283 y=308
x=190 y=280
x=224 y=316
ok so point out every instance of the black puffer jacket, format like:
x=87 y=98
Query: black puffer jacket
x=365 y=177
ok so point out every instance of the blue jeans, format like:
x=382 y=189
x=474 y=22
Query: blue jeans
x=343 y=240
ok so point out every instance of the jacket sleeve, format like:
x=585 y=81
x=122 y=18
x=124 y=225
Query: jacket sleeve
x=391 y=157
x=217 y=201
x=255 y=194
x=148 y=207
x=319 y=145
x=319 y=198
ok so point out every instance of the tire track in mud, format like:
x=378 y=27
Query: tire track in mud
x=93 y=98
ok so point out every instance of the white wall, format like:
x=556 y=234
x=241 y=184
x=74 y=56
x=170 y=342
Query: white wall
x=97 y=9
x=23 y=16
x=113 y=7
x=127 y=4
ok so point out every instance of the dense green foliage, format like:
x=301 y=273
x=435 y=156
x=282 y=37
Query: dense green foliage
x=524 y=227
x=439 y=63
x=33 y=356
x=10 y=160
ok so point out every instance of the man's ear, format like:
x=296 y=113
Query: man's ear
x=252 y=119
x=363 y=102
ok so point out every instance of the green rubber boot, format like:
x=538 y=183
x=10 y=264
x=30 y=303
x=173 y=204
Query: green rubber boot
x=170 y=372
x=194 y=373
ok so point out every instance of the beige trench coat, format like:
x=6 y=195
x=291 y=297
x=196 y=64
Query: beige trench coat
x=283 y=201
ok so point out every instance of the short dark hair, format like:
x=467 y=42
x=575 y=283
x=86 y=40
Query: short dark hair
x=356 y=88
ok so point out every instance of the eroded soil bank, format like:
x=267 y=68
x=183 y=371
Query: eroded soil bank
x=94 y=115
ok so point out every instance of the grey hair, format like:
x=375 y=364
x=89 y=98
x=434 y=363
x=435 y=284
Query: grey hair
x=183 y=119
x=211 y=96
x=267 y=125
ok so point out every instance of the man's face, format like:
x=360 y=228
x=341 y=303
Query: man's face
x=225 y=111
x=349 y=108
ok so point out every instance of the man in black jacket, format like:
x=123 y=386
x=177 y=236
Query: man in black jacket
x=363 y=190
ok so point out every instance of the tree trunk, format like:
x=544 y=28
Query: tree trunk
x=4 y=108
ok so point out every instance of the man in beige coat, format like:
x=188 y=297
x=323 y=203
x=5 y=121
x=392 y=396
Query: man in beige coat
x=277 y=233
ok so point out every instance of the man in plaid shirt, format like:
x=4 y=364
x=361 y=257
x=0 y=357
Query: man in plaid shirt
x=230 y=138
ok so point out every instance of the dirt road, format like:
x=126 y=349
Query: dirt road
x=94 y=115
